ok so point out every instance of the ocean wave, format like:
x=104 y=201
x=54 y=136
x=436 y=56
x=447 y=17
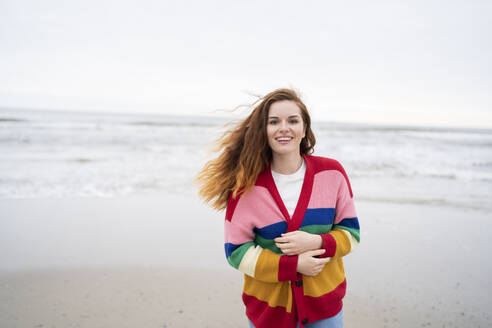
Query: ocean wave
x=364 y=172
x=364 y=127
x=174 y=124
x=449 y=176
x=10 y=119
x=482 y=164
x=12 y=139
x=483 y=179
x=81 y=160
x=424 y=202
x=148 y=185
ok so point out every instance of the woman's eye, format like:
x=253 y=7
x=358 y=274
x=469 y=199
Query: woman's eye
x=273 y=122
x=293 y=121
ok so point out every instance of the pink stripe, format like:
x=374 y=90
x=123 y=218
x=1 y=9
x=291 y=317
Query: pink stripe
x=345 y=204
x=325 y=189
x=238 y=232
x=258 y=207
x=255 y=209
x=348 y=211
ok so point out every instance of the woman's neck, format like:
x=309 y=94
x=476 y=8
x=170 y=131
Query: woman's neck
x=286 y=163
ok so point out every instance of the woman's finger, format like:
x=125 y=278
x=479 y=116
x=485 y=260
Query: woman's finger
x=322 y=261
x=282 y=239
x=316 y=252
x=282 y=246
x=289 y=244
x=288 y=250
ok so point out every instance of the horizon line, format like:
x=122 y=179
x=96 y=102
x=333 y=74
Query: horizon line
x=383 y=125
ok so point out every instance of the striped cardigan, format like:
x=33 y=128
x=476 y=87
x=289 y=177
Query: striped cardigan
x=274 y=293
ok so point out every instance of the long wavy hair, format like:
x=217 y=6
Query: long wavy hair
x=245 y=152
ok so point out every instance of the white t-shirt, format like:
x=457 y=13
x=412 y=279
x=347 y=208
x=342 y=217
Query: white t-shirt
x=289 y=187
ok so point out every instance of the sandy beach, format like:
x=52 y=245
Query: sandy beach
x=158 y=261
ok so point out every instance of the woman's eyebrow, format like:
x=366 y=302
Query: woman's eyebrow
x=296 y=115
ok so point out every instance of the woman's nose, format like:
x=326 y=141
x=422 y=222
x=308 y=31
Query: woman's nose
x=283 y=126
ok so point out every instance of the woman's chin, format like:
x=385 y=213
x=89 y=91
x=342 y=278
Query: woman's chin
x=285 y=151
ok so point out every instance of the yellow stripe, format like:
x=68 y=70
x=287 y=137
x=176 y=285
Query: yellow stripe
x=343 y=242
x=275 y=294
x=326 y=281
x=267 y=266
x=353 y=242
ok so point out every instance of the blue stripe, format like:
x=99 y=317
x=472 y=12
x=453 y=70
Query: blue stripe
x=349 y=223
x=318 y=216
x=229 y=248
x=272 y=231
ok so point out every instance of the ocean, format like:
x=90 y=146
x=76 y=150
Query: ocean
x=57 y=154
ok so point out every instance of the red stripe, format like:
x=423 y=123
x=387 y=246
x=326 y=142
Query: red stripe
x=264 y=316
x=287 y=268
x=330 y=244
x=266 y=179
x=311 y=308
x=304 y=197
x=325 y=163
x=231 y=205
x=325 y=306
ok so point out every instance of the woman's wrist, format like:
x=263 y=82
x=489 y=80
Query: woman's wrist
x=317 y=241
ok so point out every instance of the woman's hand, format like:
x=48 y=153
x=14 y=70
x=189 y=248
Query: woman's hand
x=297 y=242
x=309 y=265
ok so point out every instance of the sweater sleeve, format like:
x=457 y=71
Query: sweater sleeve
x=245 y=255
x=345 y=234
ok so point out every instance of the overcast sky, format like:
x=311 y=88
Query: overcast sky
x=393 y=62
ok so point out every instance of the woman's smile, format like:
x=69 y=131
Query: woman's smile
x=284 y=140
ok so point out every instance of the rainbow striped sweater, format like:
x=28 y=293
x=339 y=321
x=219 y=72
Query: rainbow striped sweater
x=274 y=293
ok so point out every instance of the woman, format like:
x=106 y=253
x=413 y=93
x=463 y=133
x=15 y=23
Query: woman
x=290 y=216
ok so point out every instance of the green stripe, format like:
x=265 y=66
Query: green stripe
x=354 y=232
x=268 y=244
x=316 y=228
x=235 y=258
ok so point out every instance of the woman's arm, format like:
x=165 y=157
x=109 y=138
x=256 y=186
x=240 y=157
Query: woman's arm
x=345 y=234
x=241 y=251
x=268 y=266
x=251 y=259
x=260 y=263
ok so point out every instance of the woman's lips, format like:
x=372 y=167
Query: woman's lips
x=283 y=140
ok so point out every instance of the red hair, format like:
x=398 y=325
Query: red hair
x=246 y=153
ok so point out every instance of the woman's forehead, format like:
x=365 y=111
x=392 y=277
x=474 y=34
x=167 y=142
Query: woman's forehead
x=284 y=108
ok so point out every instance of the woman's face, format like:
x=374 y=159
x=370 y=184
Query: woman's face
x=285 y=127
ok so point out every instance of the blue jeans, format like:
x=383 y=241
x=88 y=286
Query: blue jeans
x=333 y=322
